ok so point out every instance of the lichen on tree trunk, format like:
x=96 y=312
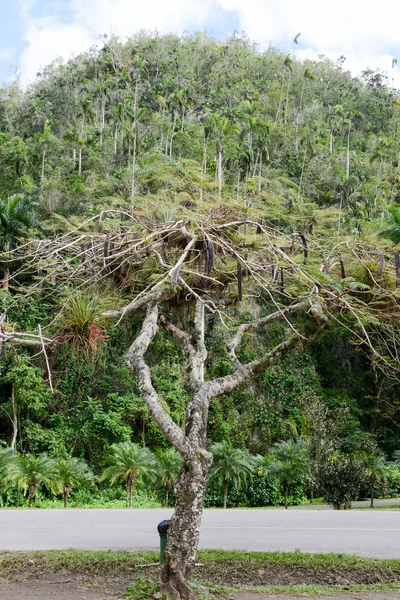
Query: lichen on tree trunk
x=184 y=530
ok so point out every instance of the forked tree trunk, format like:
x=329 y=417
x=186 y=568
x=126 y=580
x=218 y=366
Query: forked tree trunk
x=184 y=531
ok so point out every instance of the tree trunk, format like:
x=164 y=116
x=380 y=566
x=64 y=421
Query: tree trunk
x=133 y=169
x=115 y=139
x=102 y=118
x=172 y=134
x=32 y=494
x=6 y=277
x=225 y=492
x=184 y=530
x=372 y=496
x=80 y=161
x=219 y=172
x=66 y=492
x=14 y=420
x=348 y=153
x=43 y=159
x=128 y=502
x=286 y=492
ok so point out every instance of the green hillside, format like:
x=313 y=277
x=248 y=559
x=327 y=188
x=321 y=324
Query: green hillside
x=134 y=136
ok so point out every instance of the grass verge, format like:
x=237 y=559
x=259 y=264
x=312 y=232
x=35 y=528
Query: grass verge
x=223 y=573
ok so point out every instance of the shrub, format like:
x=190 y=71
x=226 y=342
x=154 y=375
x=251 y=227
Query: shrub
x=341 y=478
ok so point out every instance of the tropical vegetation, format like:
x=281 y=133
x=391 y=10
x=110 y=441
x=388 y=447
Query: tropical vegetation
x=199 y=249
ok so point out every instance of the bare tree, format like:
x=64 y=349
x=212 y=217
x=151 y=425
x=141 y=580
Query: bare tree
x=195 y=266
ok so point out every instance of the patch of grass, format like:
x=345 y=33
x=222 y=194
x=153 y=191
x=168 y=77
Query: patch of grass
x=386 y=507
x=307 y=590
x=323 y=589
x=294 y=558
x=220 y=570
x=77 y=561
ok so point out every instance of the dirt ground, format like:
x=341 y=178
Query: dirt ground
x=64 y=587
x=83 y=588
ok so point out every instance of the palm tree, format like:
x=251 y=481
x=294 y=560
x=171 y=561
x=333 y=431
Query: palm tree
x=230 y=466
x=393 y=233
x=375 y=470
x=70 y=472
x=223 y=129
x=45 y=139
x=168 y=464
x=30 y=472
x=7 y=457
x=126 y=462
x=289 y=463
x=17 y=216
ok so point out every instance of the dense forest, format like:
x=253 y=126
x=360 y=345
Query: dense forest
x=164 y=129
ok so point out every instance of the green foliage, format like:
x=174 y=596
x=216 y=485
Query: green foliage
x=341 y=478
x=17 y=217
x=143 y=588
x=302 y=147
x=231 y=466
x=126 y=462
x=69 y=473
x=288 y=463
x=169 y=462
x=30 y=472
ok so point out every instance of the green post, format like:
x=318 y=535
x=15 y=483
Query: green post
x=163 y=530
x=163 y=543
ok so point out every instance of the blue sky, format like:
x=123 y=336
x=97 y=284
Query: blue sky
x=34 y=32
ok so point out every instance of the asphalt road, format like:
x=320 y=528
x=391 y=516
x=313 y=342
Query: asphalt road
x=365 y=533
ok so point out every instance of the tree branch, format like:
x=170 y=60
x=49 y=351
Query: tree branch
x=135 y=361
x=227 y=384
x=247 y=327
x=197 y=353
x=153 y=296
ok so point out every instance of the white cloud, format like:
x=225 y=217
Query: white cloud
x=365 y=33
x=49 y=38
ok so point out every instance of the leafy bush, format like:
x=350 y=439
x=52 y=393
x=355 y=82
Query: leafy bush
x=260 y=490
x=392 y=480
x=341 y=478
